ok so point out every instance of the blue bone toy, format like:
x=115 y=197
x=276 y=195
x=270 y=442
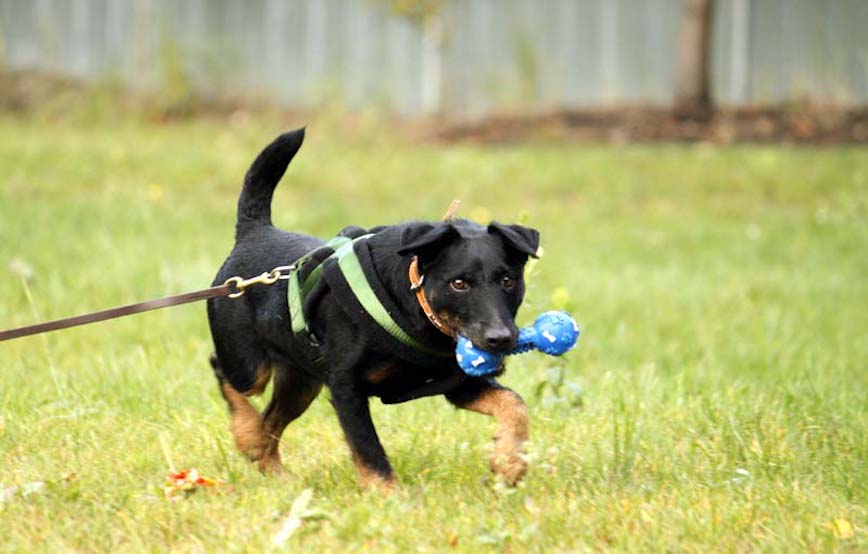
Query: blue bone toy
x=553 y=333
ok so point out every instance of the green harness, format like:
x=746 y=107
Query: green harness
x=346 y=260
x=297 y=292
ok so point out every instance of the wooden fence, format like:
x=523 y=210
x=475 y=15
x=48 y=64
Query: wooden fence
x=475 y=56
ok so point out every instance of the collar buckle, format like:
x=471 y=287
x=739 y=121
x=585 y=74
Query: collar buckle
x=414 y=286
x=416 y=280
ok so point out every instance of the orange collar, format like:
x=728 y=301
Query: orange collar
x=416 y=280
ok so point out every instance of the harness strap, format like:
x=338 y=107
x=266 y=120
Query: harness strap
x=343 y=271
x=353 y=273
x=297 y=291
x=431 y=388
x=343 y=266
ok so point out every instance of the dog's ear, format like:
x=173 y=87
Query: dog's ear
x=426 y=240
x=517 y=237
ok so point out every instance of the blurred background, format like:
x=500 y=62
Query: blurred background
x=462 y=58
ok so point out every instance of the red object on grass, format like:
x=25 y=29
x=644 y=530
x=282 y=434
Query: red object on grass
x=187 y=481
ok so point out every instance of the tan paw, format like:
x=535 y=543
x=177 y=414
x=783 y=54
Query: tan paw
x=271 y=465
x=375 y=482
x=511 y=466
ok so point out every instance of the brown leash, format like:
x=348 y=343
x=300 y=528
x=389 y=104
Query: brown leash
x=233 y=288
x=222 y=290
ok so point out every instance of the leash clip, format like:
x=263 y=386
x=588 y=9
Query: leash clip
x=266 y=278
x=282 y=272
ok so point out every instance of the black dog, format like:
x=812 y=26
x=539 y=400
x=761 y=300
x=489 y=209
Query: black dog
x=472 y=281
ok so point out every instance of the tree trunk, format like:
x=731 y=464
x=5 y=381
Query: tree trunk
x=692 y=95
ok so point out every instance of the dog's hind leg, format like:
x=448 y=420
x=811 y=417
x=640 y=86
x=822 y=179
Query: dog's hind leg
x=293 y=393
x=258 y=436
x=246 y=423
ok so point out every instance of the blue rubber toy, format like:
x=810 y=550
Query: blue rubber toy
x=553 y=333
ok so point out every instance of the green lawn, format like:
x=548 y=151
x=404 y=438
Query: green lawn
x=717 y=400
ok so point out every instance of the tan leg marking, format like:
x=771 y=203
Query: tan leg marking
x=263 y=377
x=370 y=479
x=379 y=374
x=246 y=428
x=510 y=412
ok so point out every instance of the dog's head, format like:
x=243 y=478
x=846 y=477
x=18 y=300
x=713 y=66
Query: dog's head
x=474 y=276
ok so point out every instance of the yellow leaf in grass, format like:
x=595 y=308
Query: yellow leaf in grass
x=842 y=528
x=155 y=192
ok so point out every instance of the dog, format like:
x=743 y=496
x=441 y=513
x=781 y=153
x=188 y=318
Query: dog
x=471 y=278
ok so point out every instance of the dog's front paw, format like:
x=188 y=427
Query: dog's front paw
x=373 y=482
x=510 y=465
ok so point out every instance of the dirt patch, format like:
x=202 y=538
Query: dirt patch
x=54 y=96
x=50 y=95
x=795 y=124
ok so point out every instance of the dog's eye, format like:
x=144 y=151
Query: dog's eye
x=507 y=282
x=459 y=284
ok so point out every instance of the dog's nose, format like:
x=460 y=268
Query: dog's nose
x=499 y=339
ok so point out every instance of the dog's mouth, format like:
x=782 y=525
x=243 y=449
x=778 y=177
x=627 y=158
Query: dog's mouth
x=498 y=339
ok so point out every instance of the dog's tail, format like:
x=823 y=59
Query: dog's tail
x=254 y=204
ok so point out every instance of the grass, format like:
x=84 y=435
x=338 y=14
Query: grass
x=717 y=400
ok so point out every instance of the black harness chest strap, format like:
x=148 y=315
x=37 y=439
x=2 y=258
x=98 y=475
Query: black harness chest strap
x=431 y=388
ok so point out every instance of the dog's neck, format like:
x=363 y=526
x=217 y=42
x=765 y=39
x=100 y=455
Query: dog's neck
x=417 y=285
x=393 y=271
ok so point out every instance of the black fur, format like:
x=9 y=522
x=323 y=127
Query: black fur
x=252 y=333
